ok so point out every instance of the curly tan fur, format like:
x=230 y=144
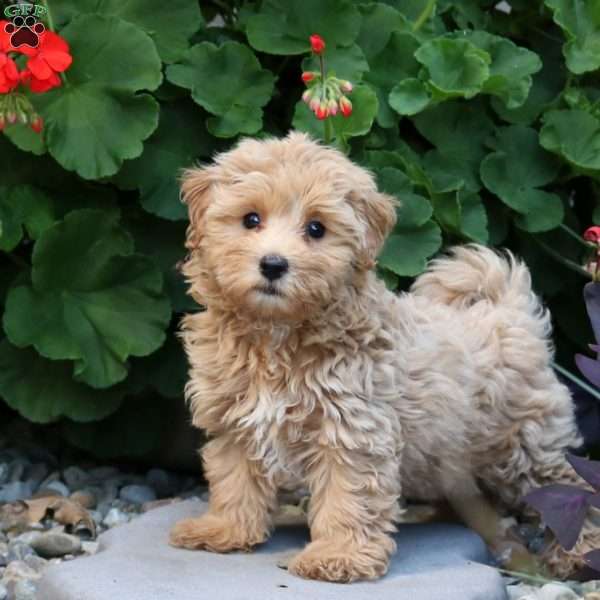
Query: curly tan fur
x=333 y=382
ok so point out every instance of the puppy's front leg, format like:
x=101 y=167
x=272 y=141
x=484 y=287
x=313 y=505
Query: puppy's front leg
x=354 y=501
x=241 y=502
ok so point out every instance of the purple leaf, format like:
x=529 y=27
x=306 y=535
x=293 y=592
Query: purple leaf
x=591 y=294
x=589 y=367
x=588 y=469
x=592 y=559
x=563 y=509
x=594 y=500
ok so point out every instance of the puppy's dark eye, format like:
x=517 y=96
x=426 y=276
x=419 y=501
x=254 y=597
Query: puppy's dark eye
x=315 y=229
x=251 y=220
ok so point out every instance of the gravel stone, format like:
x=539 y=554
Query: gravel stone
x=54 y=476
x=25 y=590
x=17 y=570
x=60 y=487
x=163 y=483
x=18 y=551
x=90 y=547
x=102 y=473
x=115 y=517
x=137 y=494
x=75 y=477
x=18 y=468
x=37 y=563
x=3 y=592
x=16 y=490
x=52 y=544
x=27 y=538
x=37 y=473
x=4 y=472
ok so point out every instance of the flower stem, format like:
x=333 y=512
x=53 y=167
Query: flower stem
x=576 y=380
x=561 y=259
x=424 y=16
x=576 y=236
x=327 y=127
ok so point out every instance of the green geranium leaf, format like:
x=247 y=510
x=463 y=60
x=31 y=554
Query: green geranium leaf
x=170 y=24
x=574 y=135
x=24 y=207
x=409 y=97
x=98 y=120
x=89 y=300
x=394 y=63
x=364 y=102
x=515 y=171
x=406 y=252
x=180 y=139
x=26 y=139
x=456 y=67
x=383 y=19
x=229 y=83
x=474 y=220
x=347 y=63
x=458 y=131
x=414 y=210
x=284 y=26
x=580 y=22
x=43 y=390
x=510 y=69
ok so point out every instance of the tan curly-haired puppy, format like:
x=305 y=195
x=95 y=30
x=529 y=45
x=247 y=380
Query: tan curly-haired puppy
x=306 y=370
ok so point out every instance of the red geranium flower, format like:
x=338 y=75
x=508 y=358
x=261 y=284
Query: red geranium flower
x=317 y=43
x=9 y=74
x=592 y=234
x=5 y=44
x=46 y=61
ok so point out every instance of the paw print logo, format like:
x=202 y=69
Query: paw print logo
x=24 y=31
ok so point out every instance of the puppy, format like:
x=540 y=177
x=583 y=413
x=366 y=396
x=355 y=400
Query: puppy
x=306 y=370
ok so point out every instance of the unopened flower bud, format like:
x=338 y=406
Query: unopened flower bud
x=314 y=104
x=592 y=234
x=37 y=123
x=346 y=86
x=306 y=96
x=308 y=76
x=333 y=107
x=322 y=112
x=2 y=121
x=317 y=43
x=22 y=116
x=11 y=116
x=345 y=106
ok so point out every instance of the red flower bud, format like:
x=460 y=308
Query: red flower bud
x=37 y=123
x=345 y=106
x=333 y=107
x=592 y=234
x=308 y=76
x=322 y=112
x=314 y=104
x=11 y=117
x=317 y=43
x=346 y=86
x=306 y=96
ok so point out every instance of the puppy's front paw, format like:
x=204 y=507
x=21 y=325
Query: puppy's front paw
x=213 y=533
x=340 y=563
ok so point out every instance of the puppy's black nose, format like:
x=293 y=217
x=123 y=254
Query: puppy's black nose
x=273 y=266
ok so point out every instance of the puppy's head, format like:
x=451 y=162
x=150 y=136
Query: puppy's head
x=278 y=226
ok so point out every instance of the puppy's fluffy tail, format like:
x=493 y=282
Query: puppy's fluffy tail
x=472 y=273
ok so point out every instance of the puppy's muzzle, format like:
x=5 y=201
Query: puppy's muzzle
x=273 y=266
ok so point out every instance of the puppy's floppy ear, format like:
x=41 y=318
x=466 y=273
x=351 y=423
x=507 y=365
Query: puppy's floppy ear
x=195 y=192
x=378 y=211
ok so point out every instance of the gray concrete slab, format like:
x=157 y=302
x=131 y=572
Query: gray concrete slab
x=433 y=562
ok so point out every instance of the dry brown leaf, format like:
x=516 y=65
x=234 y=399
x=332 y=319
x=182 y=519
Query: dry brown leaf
x=72 y=515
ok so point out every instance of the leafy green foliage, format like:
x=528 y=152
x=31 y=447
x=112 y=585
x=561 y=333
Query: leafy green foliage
x=485 y=126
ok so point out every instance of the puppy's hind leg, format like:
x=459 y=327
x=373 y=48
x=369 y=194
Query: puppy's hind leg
x=478 y=513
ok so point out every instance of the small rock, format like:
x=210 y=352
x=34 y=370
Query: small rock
x=25 y=590
x=159 y=503
x=592 y=596
x=27 y=538
x=58 y=486
x=205 y=496
x=16 y=490
x=90 y=547
x=37 y=563
x=54 y=476
x=18 y=551
x=3 y=592
x=17 y=469
x=556 y=591
x=84 y=498
x=4 y=471
x=75 y=477
x=137 y=494
x=102 y=473
x=52 y=544
x=37 y=473
x=163 y=483
x=18 y=570
x=115 y=517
